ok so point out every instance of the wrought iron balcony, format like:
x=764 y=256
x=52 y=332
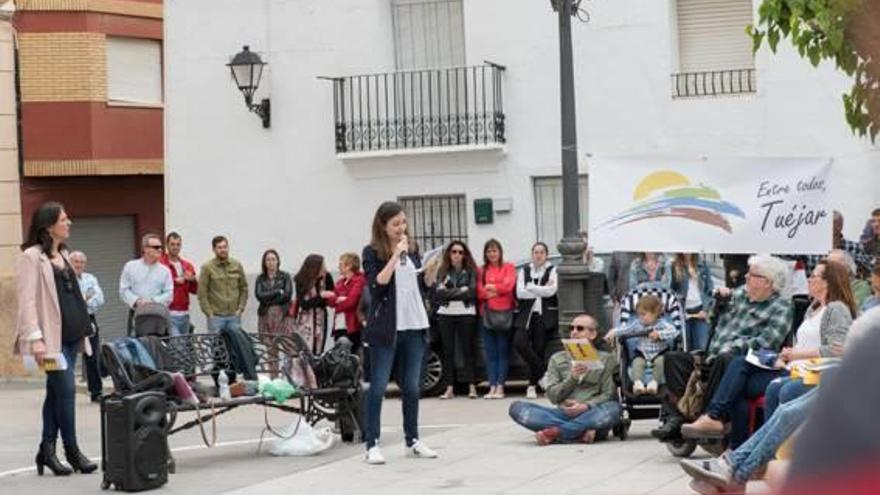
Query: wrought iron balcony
x=713 y=83
x=455 y=106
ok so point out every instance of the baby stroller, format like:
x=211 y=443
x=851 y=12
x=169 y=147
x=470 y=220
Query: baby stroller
x=645 y=406
x=152 y=319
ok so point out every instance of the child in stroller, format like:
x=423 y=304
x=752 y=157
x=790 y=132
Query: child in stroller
x=651 y=335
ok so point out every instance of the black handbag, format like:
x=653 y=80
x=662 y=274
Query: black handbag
x=499 y=321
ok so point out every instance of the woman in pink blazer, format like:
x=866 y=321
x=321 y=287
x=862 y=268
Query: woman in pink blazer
x=53 y=326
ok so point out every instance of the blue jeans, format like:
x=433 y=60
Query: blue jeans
x=761 y=447
x=217 y=323
x=741 y=381
x=406 y=354
x=59 y=411
x=497 y=346
x=180 y=325
x=537 y=417
x=697 y=332
x=781 y=390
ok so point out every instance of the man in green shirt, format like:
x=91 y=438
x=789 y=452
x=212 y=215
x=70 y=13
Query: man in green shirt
x=585 y=399
x=223 y=288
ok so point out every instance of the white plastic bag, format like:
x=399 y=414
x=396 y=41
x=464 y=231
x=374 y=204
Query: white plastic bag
x=300 y=439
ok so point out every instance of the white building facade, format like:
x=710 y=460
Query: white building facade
x=458 y=100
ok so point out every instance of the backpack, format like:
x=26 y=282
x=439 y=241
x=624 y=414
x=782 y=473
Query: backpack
x=338 y=368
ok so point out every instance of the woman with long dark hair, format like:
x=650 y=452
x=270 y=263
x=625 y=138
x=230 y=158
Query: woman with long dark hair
x=274 y=290
x=456 y=289
x=53 y=326
x=396 y=329
x=496 y=287
x=311 y=302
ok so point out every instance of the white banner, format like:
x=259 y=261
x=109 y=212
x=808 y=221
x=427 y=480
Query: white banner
x=743 y=205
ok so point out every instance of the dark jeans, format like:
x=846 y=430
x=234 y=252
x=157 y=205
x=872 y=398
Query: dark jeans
x=781 y=390
x=531 y=344
x=405 y=354
x=497 y=346
x=535 y=417
x=461 y=330
x=697 y=334
x=93 y=365
x=59 y=411
x=678 y=367
x=741 y=382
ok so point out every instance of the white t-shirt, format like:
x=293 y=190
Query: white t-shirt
x=411 y=314
x=809 y=334
x=693 y=299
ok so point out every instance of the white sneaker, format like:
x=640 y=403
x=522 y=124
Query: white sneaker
x=531 y=393
x=652 y=387
x=374 y=456
x=420 y=450
x=638 y=387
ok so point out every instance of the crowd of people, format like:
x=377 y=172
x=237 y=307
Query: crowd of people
x=385 y=302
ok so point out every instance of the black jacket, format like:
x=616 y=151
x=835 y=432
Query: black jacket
x=381 y=326
x=449 y=288
x=275 y=292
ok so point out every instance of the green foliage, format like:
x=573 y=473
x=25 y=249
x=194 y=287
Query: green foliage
x=846 y=32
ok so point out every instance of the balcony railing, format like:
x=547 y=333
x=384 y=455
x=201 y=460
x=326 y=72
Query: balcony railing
x=713 y=83
x=419 y=109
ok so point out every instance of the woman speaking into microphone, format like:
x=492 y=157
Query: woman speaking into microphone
x=396 y=329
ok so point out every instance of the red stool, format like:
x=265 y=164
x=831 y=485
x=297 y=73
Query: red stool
x=754 y=405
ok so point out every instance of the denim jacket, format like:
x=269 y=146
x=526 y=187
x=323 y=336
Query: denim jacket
x=707 y=286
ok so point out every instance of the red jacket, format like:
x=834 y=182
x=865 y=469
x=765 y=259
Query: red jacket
x=181 y=290
x=351 y=289
x=504 y=279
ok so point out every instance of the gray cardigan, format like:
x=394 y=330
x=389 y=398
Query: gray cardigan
x=833 y=327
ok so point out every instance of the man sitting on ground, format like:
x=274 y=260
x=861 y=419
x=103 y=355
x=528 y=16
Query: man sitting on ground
x=758 y=318
x=585 y=399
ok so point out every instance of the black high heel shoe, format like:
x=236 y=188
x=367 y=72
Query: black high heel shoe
x=78 y=461
x=46 y=458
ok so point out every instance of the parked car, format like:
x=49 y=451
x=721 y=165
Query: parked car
x=433 y=383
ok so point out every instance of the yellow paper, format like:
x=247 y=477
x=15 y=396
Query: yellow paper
x=583 y=351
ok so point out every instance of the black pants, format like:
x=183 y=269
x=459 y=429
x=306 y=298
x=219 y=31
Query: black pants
x=93 y=363
x=678 y=367
x=461 y=330
x=531 y=344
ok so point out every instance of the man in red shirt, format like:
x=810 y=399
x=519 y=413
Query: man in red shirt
x=185 y=283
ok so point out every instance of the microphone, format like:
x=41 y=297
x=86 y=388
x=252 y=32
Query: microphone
x=403 y=256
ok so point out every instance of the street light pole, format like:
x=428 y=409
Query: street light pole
x=579 y=290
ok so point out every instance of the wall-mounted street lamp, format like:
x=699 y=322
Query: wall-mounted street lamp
x=247 y=68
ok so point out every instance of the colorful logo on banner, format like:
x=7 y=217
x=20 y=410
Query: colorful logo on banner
x=666 y=193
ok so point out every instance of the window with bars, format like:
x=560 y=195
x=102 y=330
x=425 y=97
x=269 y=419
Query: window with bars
x=435 y=221
x=548 y=208
x=714 y=52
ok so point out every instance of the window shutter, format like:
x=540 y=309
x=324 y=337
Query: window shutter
x=712 y=35
x=134 y=70
x=428 y=33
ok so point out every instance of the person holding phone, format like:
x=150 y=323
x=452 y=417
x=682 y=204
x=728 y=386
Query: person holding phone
x=396 y=329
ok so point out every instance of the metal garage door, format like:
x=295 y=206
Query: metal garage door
x=109 y=243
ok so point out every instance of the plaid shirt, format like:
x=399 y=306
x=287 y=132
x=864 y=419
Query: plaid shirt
x=864 y=263
x=749 y=324
x=650 y=348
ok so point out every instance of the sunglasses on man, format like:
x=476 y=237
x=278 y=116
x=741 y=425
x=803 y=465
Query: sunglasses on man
x=581 y=328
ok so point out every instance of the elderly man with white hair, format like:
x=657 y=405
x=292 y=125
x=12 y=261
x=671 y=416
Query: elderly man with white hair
x=94 y=297
x=758 y=317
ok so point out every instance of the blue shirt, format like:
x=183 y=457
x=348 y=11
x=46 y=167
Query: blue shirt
x=91 y=292
x=140 y=280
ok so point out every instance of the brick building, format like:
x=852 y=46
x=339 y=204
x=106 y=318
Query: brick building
x=91 y=125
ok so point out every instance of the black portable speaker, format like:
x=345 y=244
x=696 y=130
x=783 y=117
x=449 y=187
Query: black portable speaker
x=135 y=441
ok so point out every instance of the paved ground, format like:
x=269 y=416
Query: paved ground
x=481 y=452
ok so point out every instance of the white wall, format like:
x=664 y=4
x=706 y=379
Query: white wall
x=285 y=187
